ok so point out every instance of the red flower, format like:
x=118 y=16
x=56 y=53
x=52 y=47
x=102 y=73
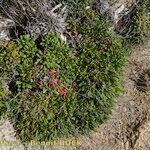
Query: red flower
x=55 y=81
x=62 y=91
x=49 y=84
x=52 y=72
x=37 y=83
x=52 y=83
x=101 y=50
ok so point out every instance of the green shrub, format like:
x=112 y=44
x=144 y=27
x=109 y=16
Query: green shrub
x=59 y=90
x=140 y=25
x=43 y=95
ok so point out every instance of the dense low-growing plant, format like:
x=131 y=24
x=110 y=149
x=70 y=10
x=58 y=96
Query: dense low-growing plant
x=41 y=89
x=140 y=24
x=57 y=90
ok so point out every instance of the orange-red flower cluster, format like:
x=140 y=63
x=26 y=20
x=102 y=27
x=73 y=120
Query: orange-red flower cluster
x=37 y=83
x=101 y=50
x=52 y=82
x=62 y=91
x=52 y=72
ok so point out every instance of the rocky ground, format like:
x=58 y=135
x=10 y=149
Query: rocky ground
x=128 y=128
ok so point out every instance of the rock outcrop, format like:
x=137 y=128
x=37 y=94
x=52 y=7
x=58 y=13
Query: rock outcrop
x=5 y=26
x=36 y=18
x=118 y=12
